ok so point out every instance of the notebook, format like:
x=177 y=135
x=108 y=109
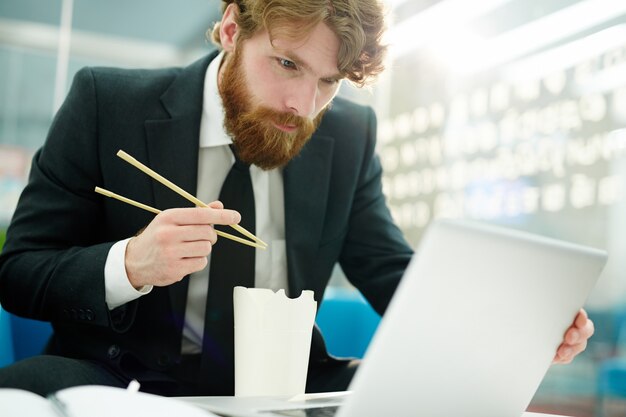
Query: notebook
x=471 y=330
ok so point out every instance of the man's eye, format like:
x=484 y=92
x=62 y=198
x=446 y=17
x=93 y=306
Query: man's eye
x=287 y=63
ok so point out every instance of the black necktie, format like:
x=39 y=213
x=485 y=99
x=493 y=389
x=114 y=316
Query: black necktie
x=232 y=264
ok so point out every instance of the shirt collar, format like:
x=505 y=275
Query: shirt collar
x=212 y=131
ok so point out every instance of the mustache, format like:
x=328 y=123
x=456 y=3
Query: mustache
x=283 y=118
x=261 y=143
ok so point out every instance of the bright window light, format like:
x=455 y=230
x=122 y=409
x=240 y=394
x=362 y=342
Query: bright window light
x=431 y=25
x=465 y=53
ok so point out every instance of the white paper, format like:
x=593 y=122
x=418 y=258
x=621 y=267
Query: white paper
x=272 y=341
x=95 y=401
x=18 y=403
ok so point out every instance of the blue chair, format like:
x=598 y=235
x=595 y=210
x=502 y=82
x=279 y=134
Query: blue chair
x=347 y=322
x=29 y=336
x=6 y=340
x=21 y=338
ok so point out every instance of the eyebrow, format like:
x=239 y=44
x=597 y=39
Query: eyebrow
x=301 y=63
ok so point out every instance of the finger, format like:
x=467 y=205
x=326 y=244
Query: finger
x=581 y=329
x=581 y=319
x=566 y=353
x=573 y=336
x=179 y=269
x=216 y=204
x=226 y=217
x=576 y=335
x=586 y=330
x=201 y=216
x=196 y=249
x=192 y=233
x=191 y=265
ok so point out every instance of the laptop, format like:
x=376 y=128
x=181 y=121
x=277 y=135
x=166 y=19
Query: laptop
x=471 y=330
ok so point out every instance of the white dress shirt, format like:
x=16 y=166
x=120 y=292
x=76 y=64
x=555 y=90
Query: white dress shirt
x=215 y=160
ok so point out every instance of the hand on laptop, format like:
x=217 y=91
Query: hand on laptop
x=575 y=338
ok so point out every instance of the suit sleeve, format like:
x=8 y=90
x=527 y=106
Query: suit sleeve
x=375 y=253
x=52 y=266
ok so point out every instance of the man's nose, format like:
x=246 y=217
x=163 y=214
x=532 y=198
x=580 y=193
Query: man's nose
x=302 y=99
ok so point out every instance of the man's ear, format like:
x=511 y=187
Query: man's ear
x=229 y=27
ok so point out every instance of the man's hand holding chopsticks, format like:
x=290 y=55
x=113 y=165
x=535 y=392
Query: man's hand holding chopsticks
x=174 y=244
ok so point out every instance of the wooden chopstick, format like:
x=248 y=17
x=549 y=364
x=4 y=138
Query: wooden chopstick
x=126 y=157
x=126 y=200
x=115 y=196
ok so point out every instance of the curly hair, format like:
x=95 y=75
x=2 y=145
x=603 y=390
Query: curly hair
x=359 y=25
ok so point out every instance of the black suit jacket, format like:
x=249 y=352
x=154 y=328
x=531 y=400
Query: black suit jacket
x=52 y=267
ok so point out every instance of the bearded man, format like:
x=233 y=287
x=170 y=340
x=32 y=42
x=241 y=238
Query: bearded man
x=131 y=295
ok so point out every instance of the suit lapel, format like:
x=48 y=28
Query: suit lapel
x=172 y=145
x=306 y=183
x=173 y=153
x=173 y=142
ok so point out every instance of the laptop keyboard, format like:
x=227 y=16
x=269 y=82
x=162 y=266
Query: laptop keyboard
x=329 y=411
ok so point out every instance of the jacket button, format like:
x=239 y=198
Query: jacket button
x=113 y=352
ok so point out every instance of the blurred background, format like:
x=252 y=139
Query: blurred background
x=508 y=111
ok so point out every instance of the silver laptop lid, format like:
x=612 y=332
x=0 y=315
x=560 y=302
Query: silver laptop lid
x=474 y=324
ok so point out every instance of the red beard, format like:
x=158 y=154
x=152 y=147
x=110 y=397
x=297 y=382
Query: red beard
x=253 y=128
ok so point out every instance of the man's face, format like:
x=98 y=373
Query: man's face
x=274 y=96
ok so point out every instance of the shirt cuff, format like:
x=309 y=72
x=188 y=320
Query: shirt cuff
x=118 y=288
